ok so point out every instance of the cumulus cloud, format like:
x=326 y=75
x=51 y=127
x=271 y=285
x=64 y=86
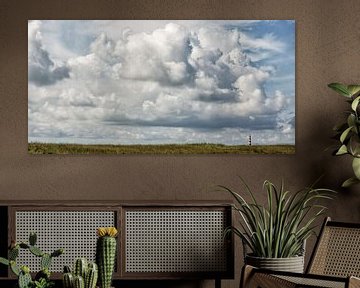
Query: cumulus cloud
x=41 y=68
x=175 y=83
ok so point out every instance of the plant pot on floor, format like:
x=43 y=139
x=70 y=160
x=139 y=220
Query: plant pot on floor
x=275 y=233
x=290 y=264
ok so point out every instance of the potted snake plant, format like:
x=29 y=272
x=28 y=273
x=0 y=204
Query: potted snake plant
x=274 y=234
x=348 y=132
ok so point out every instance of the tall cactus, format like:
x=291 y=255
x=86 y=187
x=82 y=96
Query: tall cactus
x=106 y=254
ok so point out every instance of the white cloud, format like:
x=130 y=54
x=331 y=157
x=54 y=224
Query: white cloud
x=267 y=42
x=42 y=69
x=175 y=83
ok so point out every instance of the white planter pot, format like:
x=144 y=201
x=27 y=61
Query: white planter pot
x=291 y=264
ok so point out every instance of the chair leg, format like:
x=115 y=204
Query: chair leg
x=217 y=283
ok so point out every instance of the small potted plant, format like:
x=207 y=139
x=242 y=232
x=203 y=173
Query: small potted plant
x=348 y=132
x=275 y=233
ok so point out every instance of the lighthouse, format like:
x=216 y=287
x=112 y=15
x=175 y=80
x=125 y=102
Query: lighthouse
x=249 y=140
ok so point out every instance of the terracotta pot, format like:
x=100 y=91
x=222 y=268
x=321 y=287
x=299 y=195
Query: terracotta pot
x=291 y=264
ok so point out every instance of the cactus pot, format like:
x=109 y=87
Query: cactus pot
x=291 y=264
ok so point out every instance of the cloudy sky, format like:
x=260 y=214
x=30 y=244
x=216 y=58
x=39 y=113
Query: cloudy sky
x=151 y=82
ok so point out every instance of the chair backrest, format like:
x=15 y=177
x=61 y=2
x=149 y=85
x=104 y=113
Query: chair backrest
x=337 y=251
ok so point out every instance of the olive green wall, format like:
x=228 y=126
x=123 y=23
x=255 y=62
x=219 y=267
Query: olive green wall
x=327 y=50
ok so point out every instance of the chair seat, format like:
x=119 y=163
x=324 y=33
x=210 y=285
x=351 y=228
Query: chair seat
x=268 y=279
x=314 y=282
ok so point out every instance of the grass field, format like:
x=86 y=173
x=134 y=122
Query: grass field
x=202 y=148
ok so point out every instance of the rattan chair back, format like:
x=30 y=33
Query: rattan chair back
x=337 y=252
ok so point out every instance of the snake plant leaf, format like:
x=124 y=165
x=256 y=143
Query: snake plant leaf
x=342 y=150
x=353 y=89
x=278 y=228
x=345 y=134
x=356 y=167
x=355 y=103
x=340 y=88
x=349 y=182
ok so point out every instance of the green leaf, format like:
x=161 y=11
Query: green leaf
x=341 y=127
x=353 y=89
x=349 y=182
x=351 y=120
x=355 y=103
x=340 y=88
x=4 y=261
x=342 y=150
x=345 y=134
x=354 y=145
x=356 y=167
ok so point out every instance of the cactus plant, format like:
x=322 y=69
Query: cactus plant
x=43 y=274
x=45 y=261
x=79 y=282
x=32 y=238
x=84 y=274
x=13 y=253
x=4 y=261
x=80 y=268
x=24 y=277
x=36 y=251
x=42 y=283
x=42 y=278
x=91 y=276
x=14 y=268
x=68 y=280
x=105 y=254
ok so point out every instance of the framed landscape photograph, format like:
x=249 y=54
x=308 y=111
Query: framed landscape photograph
x=161 y=86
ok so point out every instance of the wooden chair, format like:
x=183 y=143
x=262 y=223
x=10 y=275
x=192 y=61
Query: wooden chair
x=335 y=262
